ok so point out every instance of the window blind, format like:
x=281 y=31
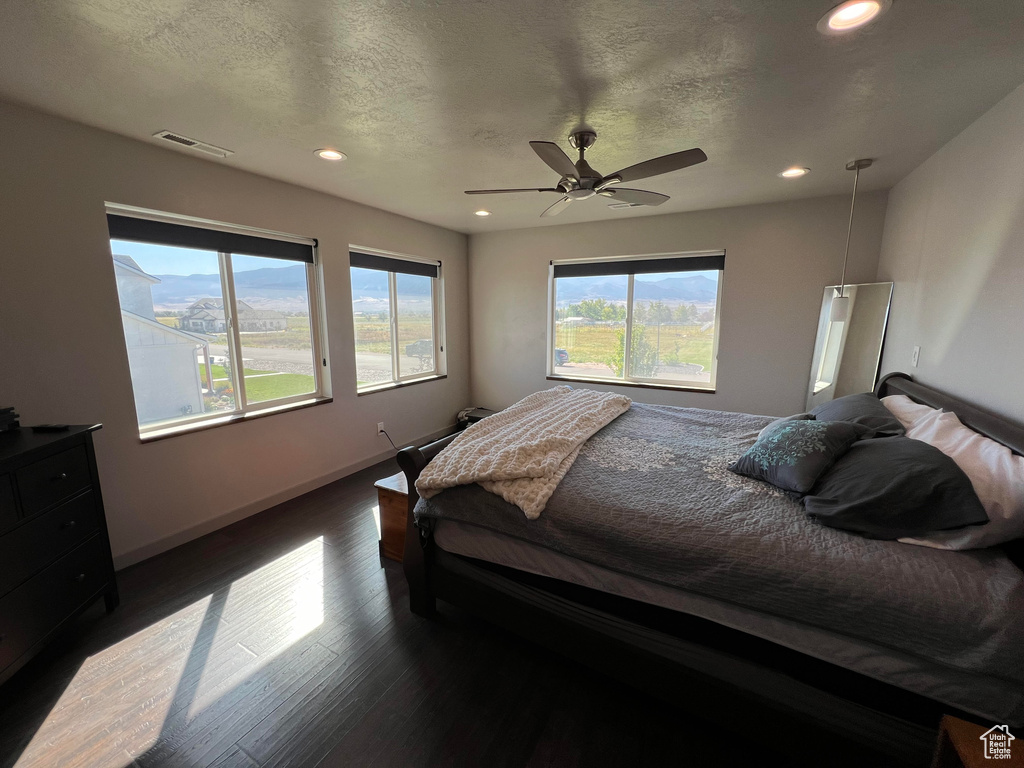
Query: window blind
x=640 y=266
x=391 y=264
x=183 y=236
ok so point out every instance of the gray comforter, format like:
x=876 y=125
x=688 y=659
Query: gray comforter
x=651 y=496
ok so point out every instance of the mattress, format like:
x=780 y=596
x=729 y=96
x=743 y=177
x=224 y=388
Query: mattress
x=965 y=691
x=649 y=511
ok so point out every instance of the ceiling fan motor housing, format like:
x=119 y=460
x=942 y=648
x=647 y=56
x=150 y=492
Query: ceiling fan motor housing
x=588 y=177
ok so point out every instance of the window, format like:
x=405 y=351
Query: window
x=219 y=322
x=398 y=319
x=650 y=320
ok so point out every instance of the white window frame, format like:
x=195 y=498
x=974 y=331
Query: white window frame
x=317 y=326
x=440 y=369
x=627 y=378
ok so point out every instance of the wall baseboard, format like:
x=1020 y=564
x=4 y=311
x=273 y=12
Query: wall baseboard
x=155 y=548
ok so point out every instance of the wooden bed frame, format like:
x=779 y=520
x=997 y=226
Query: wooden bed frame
x=775 y=694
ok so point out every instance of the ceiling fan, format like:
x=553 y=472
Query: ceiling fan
x=579 y=181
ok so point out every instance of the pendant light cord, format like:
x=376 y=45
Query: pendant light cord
x=849 y=229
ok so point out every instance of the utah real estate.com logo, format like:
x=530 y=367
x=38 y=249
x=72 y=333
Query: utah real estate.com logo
x=997 y=741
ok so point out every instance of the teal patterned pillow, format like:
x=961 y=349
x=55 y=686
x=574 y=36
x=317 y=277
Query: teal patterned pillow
x=794 y=454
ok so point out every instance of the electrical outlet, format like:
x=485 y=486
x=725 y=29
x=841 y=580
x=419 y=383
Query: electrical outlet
x=380 y=427
x=916 y=356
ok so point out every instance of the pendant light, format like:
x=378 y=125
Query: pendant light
x=840 y=302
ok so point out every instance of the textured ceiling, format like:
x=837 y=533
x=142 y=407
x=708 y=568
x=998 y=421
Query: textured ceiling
x=431 y=98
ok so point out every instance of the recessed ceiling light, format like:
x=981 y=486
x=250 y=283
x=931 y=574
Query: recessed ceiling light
x=482 y=212
x=331 y=154
x=852 y=15
x=795 y=172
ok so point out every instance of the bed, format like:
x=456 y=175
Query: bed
x=657 y=566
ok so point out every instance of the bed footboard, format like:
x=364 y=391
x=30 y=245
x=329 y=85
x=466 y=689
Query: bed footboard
x=416 y=557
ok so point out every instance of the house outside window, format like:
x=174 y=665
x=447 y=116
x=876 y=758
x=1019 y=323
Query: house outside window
x=220 y=322
x=645 y=320
x=398 y=319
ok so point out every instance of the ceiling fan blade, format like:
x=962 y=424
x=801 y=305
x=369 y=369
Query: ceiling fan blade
x=557 y=208
x=504 y=191
x=638 y=196
x=556 y=159
x=659 y=165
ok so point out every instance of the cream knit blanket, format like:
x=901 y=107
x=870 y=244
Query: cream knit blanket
x=524 y=451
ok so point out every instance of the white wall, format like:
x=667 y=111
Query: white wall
x=954 y=246
x=62 y=351
x=779 y=258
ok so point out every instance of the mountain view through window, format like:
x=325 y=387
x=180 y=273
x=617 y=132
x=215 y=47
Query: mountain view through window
x=179 y=339
x=671 y=324
x=395 y=327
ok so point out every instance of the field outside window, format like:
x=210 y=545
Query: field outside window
x=648 y=327
x=396 y=319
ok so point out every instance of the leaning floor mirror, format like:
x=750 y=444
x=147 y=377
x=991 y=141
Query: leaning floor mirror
x=848 y=348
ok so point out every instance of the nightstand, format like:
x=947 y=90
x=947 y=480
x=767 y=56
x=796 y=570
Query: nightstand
x=393 y=508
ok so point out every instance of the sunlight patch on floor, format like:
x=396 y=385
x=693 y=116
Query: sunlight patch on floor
x=133 y=687
x=149 y=687
x=266 y=612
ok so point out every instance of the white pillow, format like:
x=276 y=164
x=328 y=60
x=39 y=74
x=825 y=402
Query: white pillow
x=906 y=410
x=996 y=473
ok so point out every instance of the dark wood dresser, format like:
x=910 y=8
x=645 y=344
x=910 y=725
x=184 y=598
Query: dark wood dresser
x=54 y=551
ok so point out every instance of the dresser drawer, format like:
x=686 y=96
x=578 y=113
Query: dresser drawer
x=35 y=608
x=43 y=539
x=52 y=479
x=8 y=512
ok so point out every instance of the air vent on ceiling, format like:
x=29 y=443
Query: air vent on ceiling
x=618 y=206
x=198 y=146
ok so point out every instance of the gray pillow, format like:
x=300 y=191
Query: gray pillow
x=783 y=420
x=895 y=487
x=794 y=454
x=863 y=409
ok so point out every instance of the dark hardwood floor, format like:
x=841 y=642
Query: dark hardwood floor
x=281 y=641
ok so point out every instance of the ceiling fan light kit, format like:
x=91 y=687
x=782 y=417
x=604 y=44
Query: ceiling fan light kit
x=579 y=181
